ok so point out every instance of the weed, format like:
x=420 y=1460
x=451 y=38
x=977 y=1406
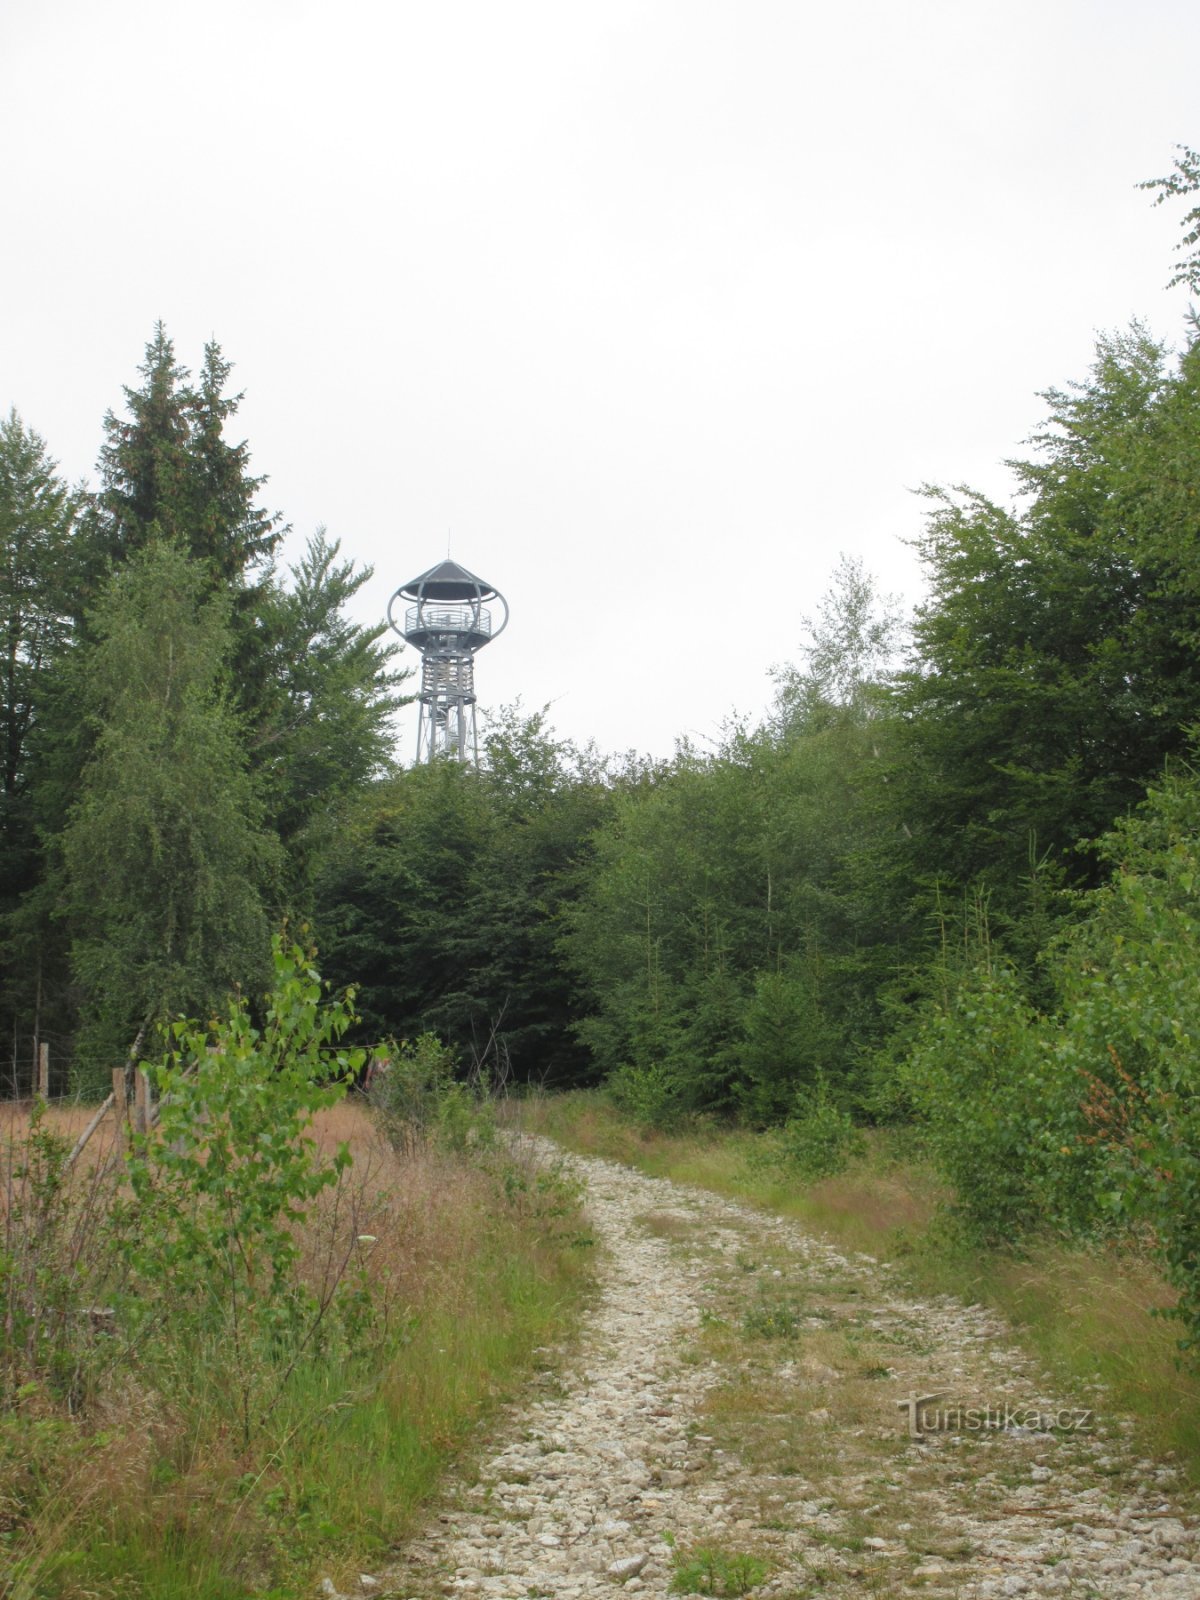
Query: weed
x=711 y=1570
x=772 y=1319
x=421 y=1103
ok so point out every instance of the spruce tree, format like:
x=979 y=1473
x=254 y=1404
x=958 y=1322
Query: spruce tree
x=37 y=513
x=168 y=471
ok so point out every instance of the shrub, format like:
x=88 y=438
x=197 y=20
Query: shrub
x=710 y=1570
x=221 y=1186
x=819 y=1137
x=789 y=1041
x=652 y=1095
x=1130 y=1031
x=1088 y=1119
x=420 y=1102
x=58 y=1269
x=1001 y=1118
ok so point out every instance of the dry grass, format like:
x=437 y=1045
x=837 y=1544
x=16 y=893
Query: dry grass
x=451 y=1283
x=66 y=1117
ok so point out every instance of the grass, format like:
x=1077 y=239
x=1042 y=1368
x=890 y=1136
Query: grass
x=1094 y=1316
x=136 y=1481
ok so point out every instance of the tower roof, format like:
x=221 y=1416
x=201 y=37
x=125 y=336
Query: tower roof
x=447 y=581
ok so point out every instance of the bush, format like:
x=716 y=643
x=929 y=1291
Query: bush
x=1130 y=1034
x=223 y=1183
x=420 y=1103
x=710 y=1570
x=1088 y=1119
x=819 y=1137
x=58 y=1267
x=789 y=1042
x=652 y=1096
x=1002 y=1122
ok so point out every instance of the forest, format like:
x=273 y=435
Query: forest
x=949 y=878
x=950 y=881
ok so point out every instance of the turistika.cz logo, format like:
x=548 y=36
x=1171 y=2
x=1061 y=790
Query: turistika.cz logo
x=926 y=1415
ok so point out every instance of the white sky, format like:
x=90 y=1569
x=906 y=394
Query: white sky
x=655 y=308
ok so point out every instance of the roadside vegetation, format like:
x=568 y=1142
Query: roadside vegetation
x=240 y=1348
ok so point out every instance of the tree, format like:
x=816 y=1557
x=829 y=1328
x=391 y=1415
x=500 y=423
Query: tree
x=444 y=896
x=1052 y=670
x=37 y=515
x=168 y=471
x=1184 y=180
x=165 y=864
x=319 y=695
x=142 y=460
x=314 y=690
x=725 y=929
x=231 y=535
x=37 y=521
x=854 y=643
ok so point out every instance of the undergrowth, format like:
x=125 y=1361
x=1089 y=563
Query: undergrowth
x=238 y=1349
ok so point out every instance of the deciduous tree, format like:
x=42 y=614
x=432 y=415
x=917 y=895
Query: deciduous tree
x=166 y=865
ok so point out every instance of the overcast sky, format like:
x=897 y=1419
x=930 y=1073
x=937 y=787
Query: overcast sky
x=652 y=309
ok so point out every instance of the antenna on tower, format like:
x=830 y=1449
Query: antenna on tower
x=448 y=621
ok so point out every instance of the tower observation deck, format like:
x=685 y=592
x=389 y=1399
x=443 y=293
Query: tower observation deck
x=446 y=614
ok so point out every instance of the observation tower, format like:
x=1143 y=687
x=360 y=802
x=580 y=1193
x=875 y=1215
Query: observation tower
x=448 y=619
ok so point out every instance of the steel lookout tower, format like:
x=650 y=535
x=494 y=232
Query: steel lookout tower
x=448 y=618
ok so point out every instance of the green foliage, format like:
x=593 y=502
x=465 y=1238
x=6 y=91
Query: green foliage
x=997 y=1119
x=1184 y=180
x=221 y=1187
x=852 y=652
x=165 y=862
x=293 y=1380
x=281 y=707
x=470 y=873
x=37 y=514
x=1129 y=1028
x=168 y=471
x=38 y=517
x=819 y=1137
x=1085 y=1118
x=318 y=693
x=420 y=1102
x=791 y=1045
x=1053 y=673
x=712 y=1570
x=771 y=1318
x=725 y=931
x=651 y=1095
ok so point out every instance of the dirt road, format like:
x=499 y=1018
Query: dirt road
x=746 y=1412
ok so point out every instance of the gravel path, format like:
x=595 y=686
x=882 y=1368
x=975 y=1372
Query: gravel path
x=739 y=1416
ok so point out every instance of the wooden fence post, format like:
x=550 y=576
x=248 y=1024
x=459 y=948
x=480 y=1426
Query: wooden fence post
x=141 y=1101
x=120 y=1094
x=44 y=1071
